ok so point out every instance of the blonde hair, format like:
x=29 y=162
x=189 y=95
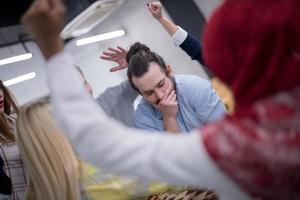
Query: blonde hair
x=48 y=156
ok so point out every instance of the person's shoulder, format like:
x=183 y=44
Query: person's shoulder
x=121 y=90
x=117 y=89
x=189 y=77
x=189 y=80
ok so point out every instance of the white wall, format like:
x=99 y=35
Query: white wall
x=132 y=16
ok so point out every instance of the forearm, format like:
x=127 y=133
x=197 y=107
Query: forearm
x=168 y=25
x=170 y=124
x=51 y=47
x=190 y=45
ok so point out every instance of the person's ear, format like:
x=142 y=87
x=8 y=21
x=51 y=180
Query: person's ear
x=169 y=70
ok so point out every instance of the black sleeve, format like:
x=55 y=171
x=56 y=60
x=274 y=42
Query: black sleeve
x=193 y=48
x=5 y=182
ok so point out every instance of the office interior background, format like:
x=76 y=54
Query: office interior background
x=131 y=16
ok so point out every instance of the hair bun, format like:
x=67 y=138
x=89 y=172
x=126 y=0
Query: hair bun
x=136 y=48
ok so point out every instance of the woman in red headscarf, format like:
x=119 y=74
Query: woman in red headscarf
x=254 y=47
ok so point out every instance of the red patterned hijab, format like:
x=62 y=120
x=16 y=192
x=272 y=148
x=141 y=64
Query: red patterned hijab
x=254 y=47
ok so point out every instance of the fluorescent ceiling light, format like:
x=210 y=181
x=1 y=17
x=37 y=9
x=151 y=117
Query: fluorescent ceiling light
x=98 y=38
x=19 y=79
x=13 y=59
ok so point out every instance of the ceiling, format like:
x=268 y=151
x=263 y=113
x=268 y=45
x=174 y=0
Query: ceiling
x=11 y=32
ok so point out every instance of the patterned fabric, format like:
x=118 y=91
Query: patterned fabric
x=259 y=145
x=261 y=152
x=188 y=194
x=5 y=182
x=13 y=166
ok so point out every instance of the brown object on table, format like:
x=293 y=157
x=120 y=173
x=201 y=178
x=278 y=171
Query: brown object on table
x=188 y=194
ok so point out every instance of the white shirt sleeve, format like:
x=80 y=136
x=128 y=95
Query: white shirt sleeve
x=175 y=159
x=179 y=36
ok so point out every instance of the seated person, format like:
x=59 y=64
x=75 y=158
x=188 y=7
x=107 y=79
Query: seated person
x=177 y=103
x=117 y=101
x=185 y=41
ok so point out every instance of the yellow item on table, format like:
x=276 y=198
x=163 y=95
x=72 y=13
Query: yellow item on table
x=224 y=93
x=99 y=185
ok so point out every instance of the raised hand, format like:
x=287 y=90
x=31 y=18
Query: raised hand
x=155 y=9
x=44 y=21
x=117 y=55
